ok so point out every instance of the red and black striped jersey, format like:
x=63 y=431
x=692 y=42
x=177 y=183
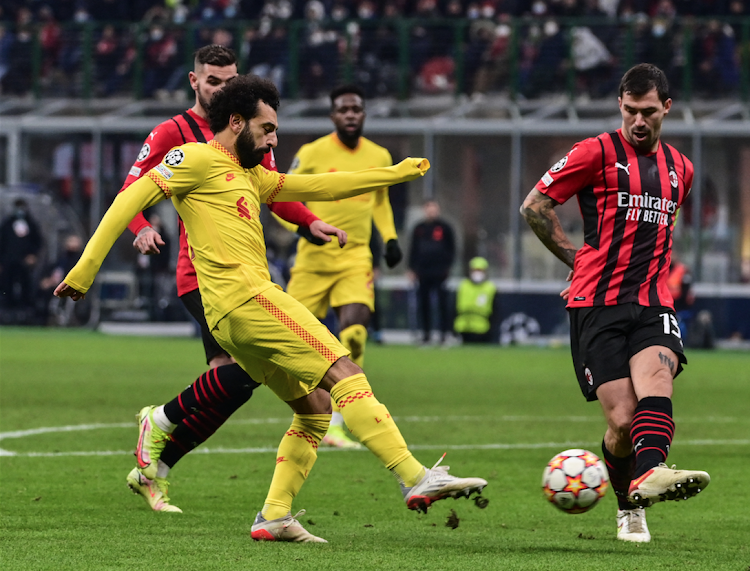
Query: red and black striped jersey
x=629 y=203
x=189 y=127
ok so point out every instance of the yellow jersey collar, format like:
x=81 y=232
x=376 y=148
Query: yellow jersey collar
x=216 y=145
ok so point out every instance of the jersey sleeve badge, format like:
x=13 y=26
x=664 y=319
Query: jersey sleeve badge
x=559 y=165
x=174 y=157
x=143 y=153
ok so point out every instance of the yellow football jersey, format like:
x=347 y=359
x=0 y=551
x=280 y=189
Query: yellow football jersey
x=219 y=202
x=354 y=215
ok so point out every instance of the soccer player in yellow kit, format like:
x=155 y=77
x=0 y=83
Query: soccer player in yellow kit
x=217 y=189
x=328 y=276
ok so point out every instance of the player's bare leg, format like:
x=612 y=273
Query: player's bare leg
x=653 y=370
x=353 y=320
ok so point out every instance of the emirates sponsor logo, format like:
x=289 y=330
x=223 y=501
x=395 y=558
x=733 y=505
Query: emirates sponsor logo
x=647 y=208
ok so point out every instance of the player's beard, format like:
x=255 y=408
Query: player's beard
x=350 y=138
x=250 y=156
x=202 y=99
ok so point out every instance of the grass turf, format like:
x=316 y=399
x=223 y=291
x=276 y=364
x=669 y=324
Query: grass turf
x=500 y=413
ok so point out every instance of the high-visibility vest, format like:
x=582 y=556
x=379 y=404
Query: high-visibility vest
x=474 y=306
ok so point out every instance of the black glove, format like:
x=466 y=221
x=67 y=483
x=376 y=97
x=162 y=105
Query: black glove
x=393 y=253
x=304 y=231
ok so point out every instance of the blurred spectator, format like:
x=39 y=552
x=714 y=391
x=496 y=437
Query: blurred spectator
x=431 y=255
x=50 y=39
x=476 y=305
x=217 y=10
x=593 y=62
x=377 y=69
x=696 y=329
x=488 y=55
x=160 y=62
x=20 y=243
x=6 y=42
x=51 y=309
x=17 y=79
x=547 y=53
x=319 y=54
x=716 y=60
x=265 y=51
x=155 y=275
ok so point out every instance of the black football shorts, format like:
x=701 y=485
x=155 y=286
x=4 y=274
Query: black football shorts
x=194 y=304
x=603 y=339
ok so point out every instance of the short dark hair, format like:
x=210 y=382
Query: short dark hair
x=642 y=78
x=215 y=54
x=346 y=89
x=241 y=95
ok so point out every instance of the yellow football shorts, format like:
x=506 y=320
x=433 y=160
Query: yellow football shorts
x=279 y=343
x=318 y=291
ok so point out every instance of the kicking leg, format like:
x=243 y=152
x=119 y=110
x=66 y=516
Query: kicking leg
x=653 y=370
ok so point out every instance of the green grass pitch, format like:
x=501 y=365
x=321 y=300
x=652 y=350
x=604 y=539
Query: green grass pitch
x=500 y=413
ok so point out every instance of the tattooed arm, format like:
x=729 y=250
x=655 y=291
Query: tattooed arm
x=538 y=211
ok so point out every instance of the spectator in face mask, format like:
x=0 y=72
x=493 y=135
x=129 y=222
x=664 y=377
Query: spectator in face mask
x=475 y=305
x=20 y=242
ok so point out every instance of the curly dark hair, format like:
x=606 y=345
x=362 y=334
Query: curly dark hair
x=241 y=95
x=642 y=78
x=345 y=89
x=214 y=54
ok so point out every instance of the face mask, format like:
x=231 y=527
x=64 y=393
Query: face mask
x=20 y=213
x=477 y=276
x=658 y=30
x=157 y=35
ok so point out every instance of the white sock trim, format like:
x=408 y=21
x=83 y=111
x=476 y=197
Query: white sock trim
x=161 y=420
x=162 y=470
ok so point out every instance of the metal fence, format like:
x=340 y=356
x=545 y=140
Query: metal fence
x=522 y=57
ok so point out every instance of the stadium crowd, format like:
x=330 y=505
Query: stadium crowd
x=108 y=47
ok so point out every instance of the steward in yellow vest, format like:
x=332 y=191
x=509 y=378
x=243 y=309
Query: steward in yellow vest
x=475 y=300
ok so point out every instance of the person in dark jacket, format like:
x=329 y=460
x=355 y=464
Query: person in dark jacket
x=433 y=249
x=20 y=242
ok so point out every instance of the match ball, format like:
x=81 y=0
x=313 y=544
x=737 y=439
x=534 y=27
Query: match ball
x=575 y=480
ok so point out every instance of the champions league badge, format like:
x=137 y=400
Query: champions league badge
x=174 y=157
x=558 y=166
x=144 y=152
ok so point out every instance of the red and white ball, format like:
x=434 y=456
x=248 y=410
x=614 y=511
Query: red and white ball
x=575 y=480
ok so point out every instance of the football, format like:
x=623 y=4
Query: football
x=575 y=480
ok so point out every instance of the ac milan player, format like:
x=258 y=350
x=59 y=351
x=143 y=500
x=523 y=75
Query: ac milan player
x=206 y=404
x=625 y=341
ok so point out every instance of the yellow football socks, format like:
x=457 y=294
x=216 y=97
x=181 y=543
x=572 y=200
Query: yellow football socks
x=371 y=423
x=354 y=338
x=294 y=460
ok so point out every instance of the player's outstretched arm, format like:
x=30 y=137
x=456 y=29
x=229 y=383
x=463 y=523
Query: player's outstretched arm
x=338 y=185
x=538 y=210
x=142 y=194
